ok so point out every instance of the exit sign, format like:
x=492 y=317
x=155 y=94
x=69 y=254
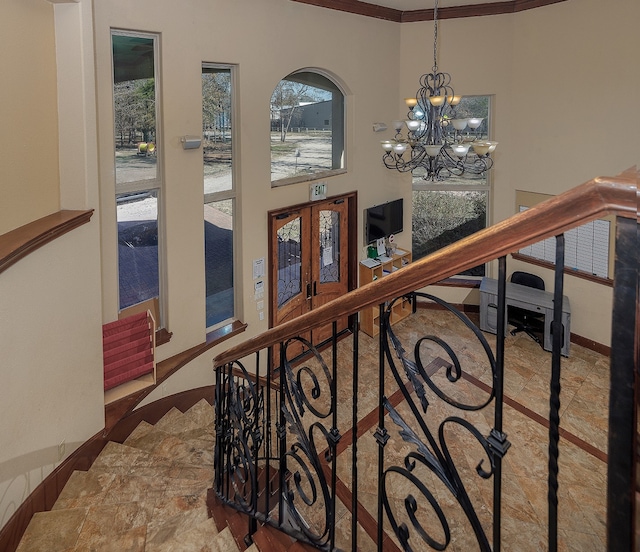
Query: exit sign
x=318 y=191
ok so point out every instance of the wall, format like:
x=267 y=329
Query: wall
x=51 y=362
x=576 y=98
x=247 y=34
x=50 y=301
x=564 y=106
x=28 y=141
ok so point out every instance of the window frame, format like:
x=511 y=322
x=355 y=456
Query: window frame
x=155 y=184
x=230 y=194
x=342 y=128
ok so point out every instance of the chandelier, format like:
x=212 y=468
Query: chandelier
x=441 y=144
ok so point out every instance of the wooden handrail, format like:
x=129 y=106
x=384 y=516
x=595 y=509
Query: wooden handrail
x=18 y=243
x=592 y=200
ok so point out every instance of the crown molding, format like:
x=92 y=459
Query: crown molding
x=390 y=14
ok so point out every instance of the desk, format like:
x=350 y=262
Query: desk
x=524 y=297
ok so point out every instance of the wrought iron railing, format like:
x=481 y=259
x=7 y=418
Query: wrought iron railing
x=283 y=430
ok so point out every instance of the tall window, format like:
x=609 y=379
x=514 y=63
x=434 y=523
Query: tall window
x=445 y=212
x=219 y=191
x=138 y=179
x=307 y=128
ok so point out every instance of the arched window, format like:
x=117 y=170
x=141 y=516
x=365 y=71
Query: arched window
x=307 y=128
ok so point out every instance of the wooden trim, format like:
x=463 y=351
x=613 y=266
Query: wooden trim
x=459 y=282
x=44 y=496
x=427 y=305
x=358 y=8
x=18 y=243
x=591 y=344
x=567 y=270
x=163 y=336
x=410 y=16
x=590 y=201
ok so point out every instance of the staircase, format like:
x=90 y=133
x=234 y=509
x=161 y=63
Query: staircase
x=149 y=494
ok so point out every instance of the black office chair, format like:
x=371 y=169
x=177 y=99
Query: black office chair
x=526 y=321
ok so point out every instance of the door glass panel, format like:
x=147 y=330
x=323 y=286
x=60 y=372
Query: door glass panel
x=289 y=261
x=329 y=235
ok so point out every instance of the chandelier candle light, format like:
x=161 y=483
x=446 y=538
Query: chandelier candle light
x=440 y=143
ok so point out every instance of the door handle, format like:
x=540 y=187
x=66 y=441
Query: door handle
x=315 y=288
x=308 y=291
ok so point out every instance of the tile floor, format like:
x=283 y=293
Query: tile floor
x=149 y=493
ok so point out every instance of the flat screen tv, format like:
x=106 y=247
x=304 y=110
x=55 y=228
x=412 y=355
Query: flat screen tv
x=383 y=220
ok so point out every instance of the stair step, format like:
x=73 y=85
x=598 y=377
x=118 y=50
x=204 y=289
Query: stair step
x=269 y=539
x=172 y=422
x=54 y=530
x=226 y=542
x=225 y=516
x=187 y=449
x=83 y=489
x=119 y=458
x=203 y=412
x=153 y=492
x=140 y=431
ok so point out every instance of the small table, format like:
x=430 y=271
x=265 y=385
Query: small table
x=524 y=297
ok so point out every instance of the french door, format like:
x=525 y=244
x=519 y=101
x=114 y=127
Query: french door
x=309 y=262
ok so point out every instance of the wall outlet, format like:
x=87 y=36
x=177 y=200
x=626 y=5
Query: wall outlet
x=61 y=448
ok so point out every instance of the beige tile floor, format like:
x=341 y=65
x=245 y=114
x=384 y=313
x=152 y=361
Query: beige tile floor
x=149 y=493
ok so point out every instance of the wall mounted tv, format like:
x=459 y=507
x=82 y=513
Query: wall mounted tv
x=383 y=220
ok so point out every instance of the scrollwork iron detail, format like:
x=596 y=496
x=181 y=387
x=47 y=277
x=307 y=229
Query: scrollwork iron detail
x=430 y=451
x=241 y=436
x=308 y=486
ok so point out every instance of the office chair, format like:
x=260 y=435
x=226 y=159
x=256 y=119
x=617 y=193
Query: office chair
x=526 y=321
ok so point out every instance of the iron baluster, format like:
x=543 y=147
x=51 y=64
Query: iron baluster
x=354 y=442
x=253 y=522
x=381 y=433
x=621 y=469
x=554 y=398
x=334 y=434
x=498 y=439
x=282 y=437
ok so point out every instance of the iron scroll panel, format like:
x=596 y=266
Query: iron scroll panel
x=239 y=436
x=308 y=402
x=304 y=412
x=430 y=450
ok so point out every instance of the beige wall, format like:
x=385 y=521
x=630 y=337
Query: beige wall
x=51 y=365
x=50 y=302
x=29 y=182
x=565 y=107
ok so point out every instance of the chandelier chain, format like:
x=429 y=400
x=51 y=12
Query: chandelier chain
x=435 y=37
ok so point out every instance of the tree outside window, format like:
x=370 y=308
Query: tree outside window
x=447 y=211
